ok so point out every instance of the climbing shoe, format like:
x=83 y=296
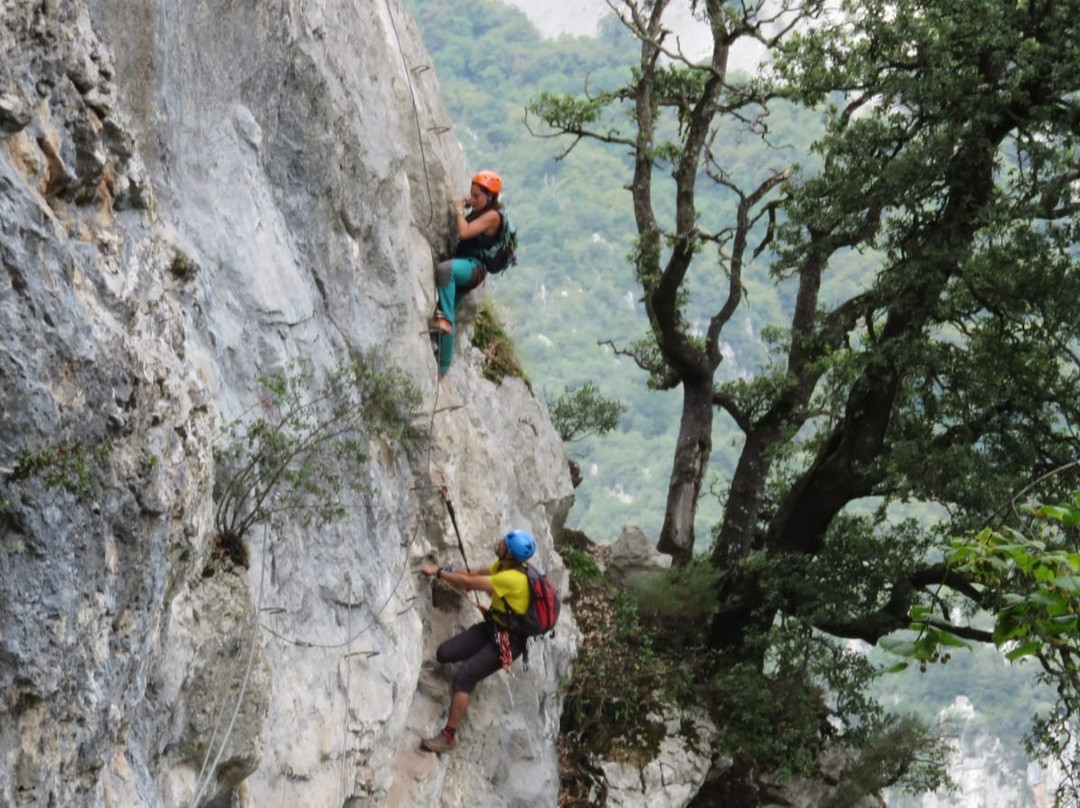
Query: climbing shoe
x=440 y=323
x=442 y=742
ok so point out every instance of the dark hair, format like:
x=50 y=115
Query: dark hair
x=493 y=200
x=493 y=204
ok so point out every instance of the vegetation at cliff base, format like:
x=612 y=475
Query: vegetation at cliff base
x=642 y=665
x=627 y=679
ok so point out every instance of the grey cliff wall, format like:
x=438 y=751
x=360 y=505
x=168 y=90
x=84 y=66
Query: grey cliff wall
x=193 y=194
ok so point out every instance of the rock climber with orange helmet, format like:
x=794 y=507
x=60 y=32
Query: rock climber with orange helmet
x=478 y=221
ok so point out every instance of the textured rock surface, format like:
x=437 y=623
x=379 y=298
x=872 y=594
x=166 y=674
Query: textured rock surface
x=673 y=776
x=192 y=195
x=633 y=555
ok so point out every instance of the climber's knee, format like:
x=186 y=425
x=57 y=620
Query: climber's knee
x=443 y=273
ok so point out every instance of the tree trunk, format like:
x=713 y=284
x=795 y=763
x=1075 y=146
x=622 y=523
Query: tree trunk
x=741 y=513
x=688 y=469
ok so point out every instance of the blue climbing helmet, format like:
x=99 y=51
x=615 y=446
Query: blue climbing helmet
x=520 y=544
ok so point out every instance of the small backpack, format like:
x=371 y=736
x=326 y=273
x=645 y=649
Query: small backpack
x=544 y=606
x=503 y=253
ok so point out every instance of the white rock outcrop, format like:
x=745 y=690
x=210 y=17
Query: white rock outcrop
x=984 y=770
x=672 y=777
x=632 y=555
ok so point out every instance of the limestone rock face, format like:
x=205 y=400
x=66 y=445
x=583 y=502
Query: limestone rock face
x=194 y=195
x=633 y=555
x=674 y=775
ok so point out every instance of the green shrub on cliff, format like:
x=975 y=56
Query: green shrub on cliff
x=305 y=443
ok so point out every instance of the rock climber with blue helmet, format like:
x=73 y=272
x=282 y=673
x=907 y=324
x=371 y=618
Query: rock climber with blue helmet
x=486 y=646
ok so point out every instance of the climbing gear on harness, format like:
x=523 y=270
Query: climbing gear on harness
x=489 y=181
x=506 y=656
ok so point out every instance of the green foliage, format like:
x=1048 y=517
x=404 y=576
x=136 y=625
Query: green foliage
x=622 y=679
x=582 y=411
x=639 y=655
x=809 y=696
x=769 y=719
x=72 y=465
x=645 y=258
x=561 y=110
x=900 y=752
x=677 y=603
x=1030 y=582
x=585 y=573
x=500 y=356
x=1005 y=698
x=182 y=267
x=304 y=444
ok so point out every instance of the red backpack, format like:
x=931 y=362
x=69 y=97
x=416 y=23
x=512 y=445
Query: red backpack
x=544 y=606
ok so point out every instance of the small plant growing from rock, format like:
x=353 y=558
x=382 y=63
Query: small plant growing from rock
x=500 y=356
x=182 y=267
x=68 y=465
x=303 y=444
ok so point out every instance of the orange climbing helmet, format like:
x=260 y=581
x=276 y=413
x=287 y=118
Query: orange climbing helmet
x=488 y=180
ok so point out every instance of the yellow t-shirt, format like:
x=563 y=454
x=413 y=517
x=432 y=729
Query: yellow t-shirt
x=510 y=590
